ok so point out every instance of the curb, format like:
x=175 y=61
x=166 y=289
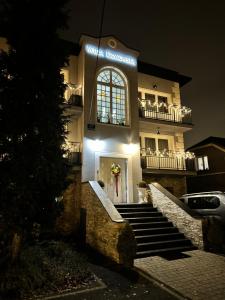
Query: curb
x=101 y=285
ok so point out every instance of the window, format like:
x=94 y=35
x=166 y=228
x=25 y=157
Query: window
x=202 y=163
x=154 y=102
x=111 y=97
x=204 y=202
x=156 y=145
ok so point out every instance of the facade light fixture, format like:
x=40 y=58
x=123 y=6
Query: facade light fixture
x=96 y=145
x=131 y=148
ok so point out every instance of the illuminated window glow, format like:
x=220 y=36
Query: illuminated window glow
x=111 y=97
x=202 y=163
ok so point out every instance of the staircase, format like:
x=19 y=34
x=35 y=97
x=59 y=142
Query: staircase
x=154 y=234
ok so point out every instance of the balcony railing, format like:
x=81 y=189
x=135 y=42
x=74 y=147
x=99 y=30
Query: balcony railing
x=170 y=113
x=73 y=95
x=73 y=152
x=167 y=160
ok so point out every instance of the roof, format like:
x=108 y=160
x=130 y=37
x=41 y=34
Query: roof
x=218 y=141
x=160 y=72
x=143 y=67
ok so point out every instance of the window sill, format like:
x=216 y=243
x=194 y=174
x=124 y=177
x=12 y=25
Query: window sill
x=114 y=125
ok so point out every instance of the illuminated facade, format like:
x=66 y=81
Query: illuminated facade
x=125 y=112
x=129 y=113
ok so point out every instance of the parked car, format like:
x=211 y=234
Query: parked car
x=207 y=203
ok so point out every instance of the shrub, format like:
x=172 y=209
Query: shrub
x=142 y=184
x=47 y=267
x=101 y=183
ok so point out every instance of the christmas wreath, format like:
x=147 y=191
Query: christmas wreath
x=115 y=170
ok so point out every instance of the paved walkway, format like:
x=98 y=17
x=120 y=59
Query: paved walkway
x=195 y=275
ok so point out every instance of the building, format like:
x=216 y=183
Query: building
x=210 y=166
x=129 y=113
x=126 y=124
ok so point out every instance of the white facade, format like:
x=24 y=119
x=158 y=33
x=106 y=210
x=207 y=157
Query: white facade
x=123 y=110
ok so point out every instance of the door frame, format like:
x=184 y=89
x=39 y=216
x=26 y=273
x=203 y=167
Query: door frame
x=98 y=155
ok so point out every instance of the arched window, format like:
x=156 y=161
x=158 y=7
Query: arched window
x=111 y=97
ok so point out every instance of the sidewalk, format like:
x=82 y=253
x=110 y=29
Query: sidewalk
x=195 y=275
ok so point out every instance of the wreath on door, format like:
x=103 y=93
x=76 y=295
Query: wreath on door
x=116 y=170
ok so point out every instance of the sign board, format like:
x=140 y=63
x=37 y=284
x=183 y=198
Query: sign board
x=112 y=55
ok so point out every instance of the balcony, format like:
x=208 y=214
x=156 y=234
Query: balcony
x=164 y=112
x=167 y=160
x=73 y=153
x=73 y=100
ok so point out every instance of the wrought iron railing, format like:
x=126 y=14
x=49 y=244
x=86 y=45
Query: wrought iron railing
x=73 y=152
x=73 y=94
x=167 y=160
x=170 y=113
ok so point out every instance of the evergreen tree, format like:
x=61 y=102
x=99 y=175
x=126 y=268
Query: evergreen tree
x=32 y=167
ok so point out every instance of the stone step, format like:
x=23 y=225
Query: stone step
x=151 y=231
x=130 y=205
x=136 y=209
x=163 y=244
x=141 y=254
x=140 y=214
x=147 y=225
x=145 y=219
x=159 y=237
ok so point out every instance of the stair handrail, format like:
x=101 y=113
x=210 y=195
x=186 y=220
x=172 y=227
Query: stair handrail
x=176 y=201
x=106 y=202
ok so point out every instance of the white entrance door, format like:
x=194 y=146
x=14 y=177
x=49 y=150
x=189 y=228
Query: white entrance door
x=109 y=179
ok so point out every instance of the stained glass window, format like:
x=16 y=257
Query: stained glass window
x=111 y=97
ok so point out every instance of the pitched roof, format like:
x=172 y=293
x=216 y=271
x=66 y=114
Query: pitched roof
x=219 y=141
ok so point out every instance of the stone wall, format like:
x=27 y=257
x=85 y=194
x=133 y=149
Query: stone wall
x=68 y=223
x=112 y=238
x=175 y=184
x=176 y=93
x=191 y=227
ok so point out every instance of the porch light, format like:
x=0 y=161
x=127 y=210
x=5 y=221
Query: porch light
x=131 y=148
x=96 y=145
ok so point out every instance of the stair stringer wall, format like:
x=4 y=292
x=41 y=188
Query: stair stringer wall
x=191 y=227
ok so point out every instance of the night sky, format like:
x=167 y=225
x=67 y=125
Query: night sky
x=186 y=36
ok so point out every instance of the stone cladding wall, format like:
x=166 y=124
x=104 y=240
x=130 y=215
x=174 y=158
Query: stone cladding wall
x=191 y=227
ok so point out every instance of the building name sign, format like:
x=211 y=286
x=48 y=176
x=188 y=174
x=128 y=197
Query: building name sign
x=111 y=55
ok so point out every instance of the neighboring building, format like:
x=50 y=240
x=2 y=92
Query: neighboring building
x=127 y=112
x=210 y=165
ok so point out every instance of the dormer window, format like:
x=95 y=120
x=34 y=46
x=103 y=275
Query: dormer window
x=112 y=97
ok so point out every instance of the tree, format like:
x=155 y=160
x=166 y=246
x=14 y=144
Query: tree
x=32 y=167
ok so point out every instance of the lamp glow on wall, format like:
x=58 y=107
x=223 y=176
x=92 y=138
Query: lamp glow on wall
x=96 y=145
x=130 y=148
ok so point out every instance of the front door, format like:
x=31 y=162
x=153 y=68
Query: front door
x=115 y=188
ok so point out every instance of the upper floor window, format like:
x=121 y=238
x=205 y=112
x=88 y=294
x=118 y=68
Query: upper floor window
x=112 y=97
x=202 y=163
x=154 y=102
